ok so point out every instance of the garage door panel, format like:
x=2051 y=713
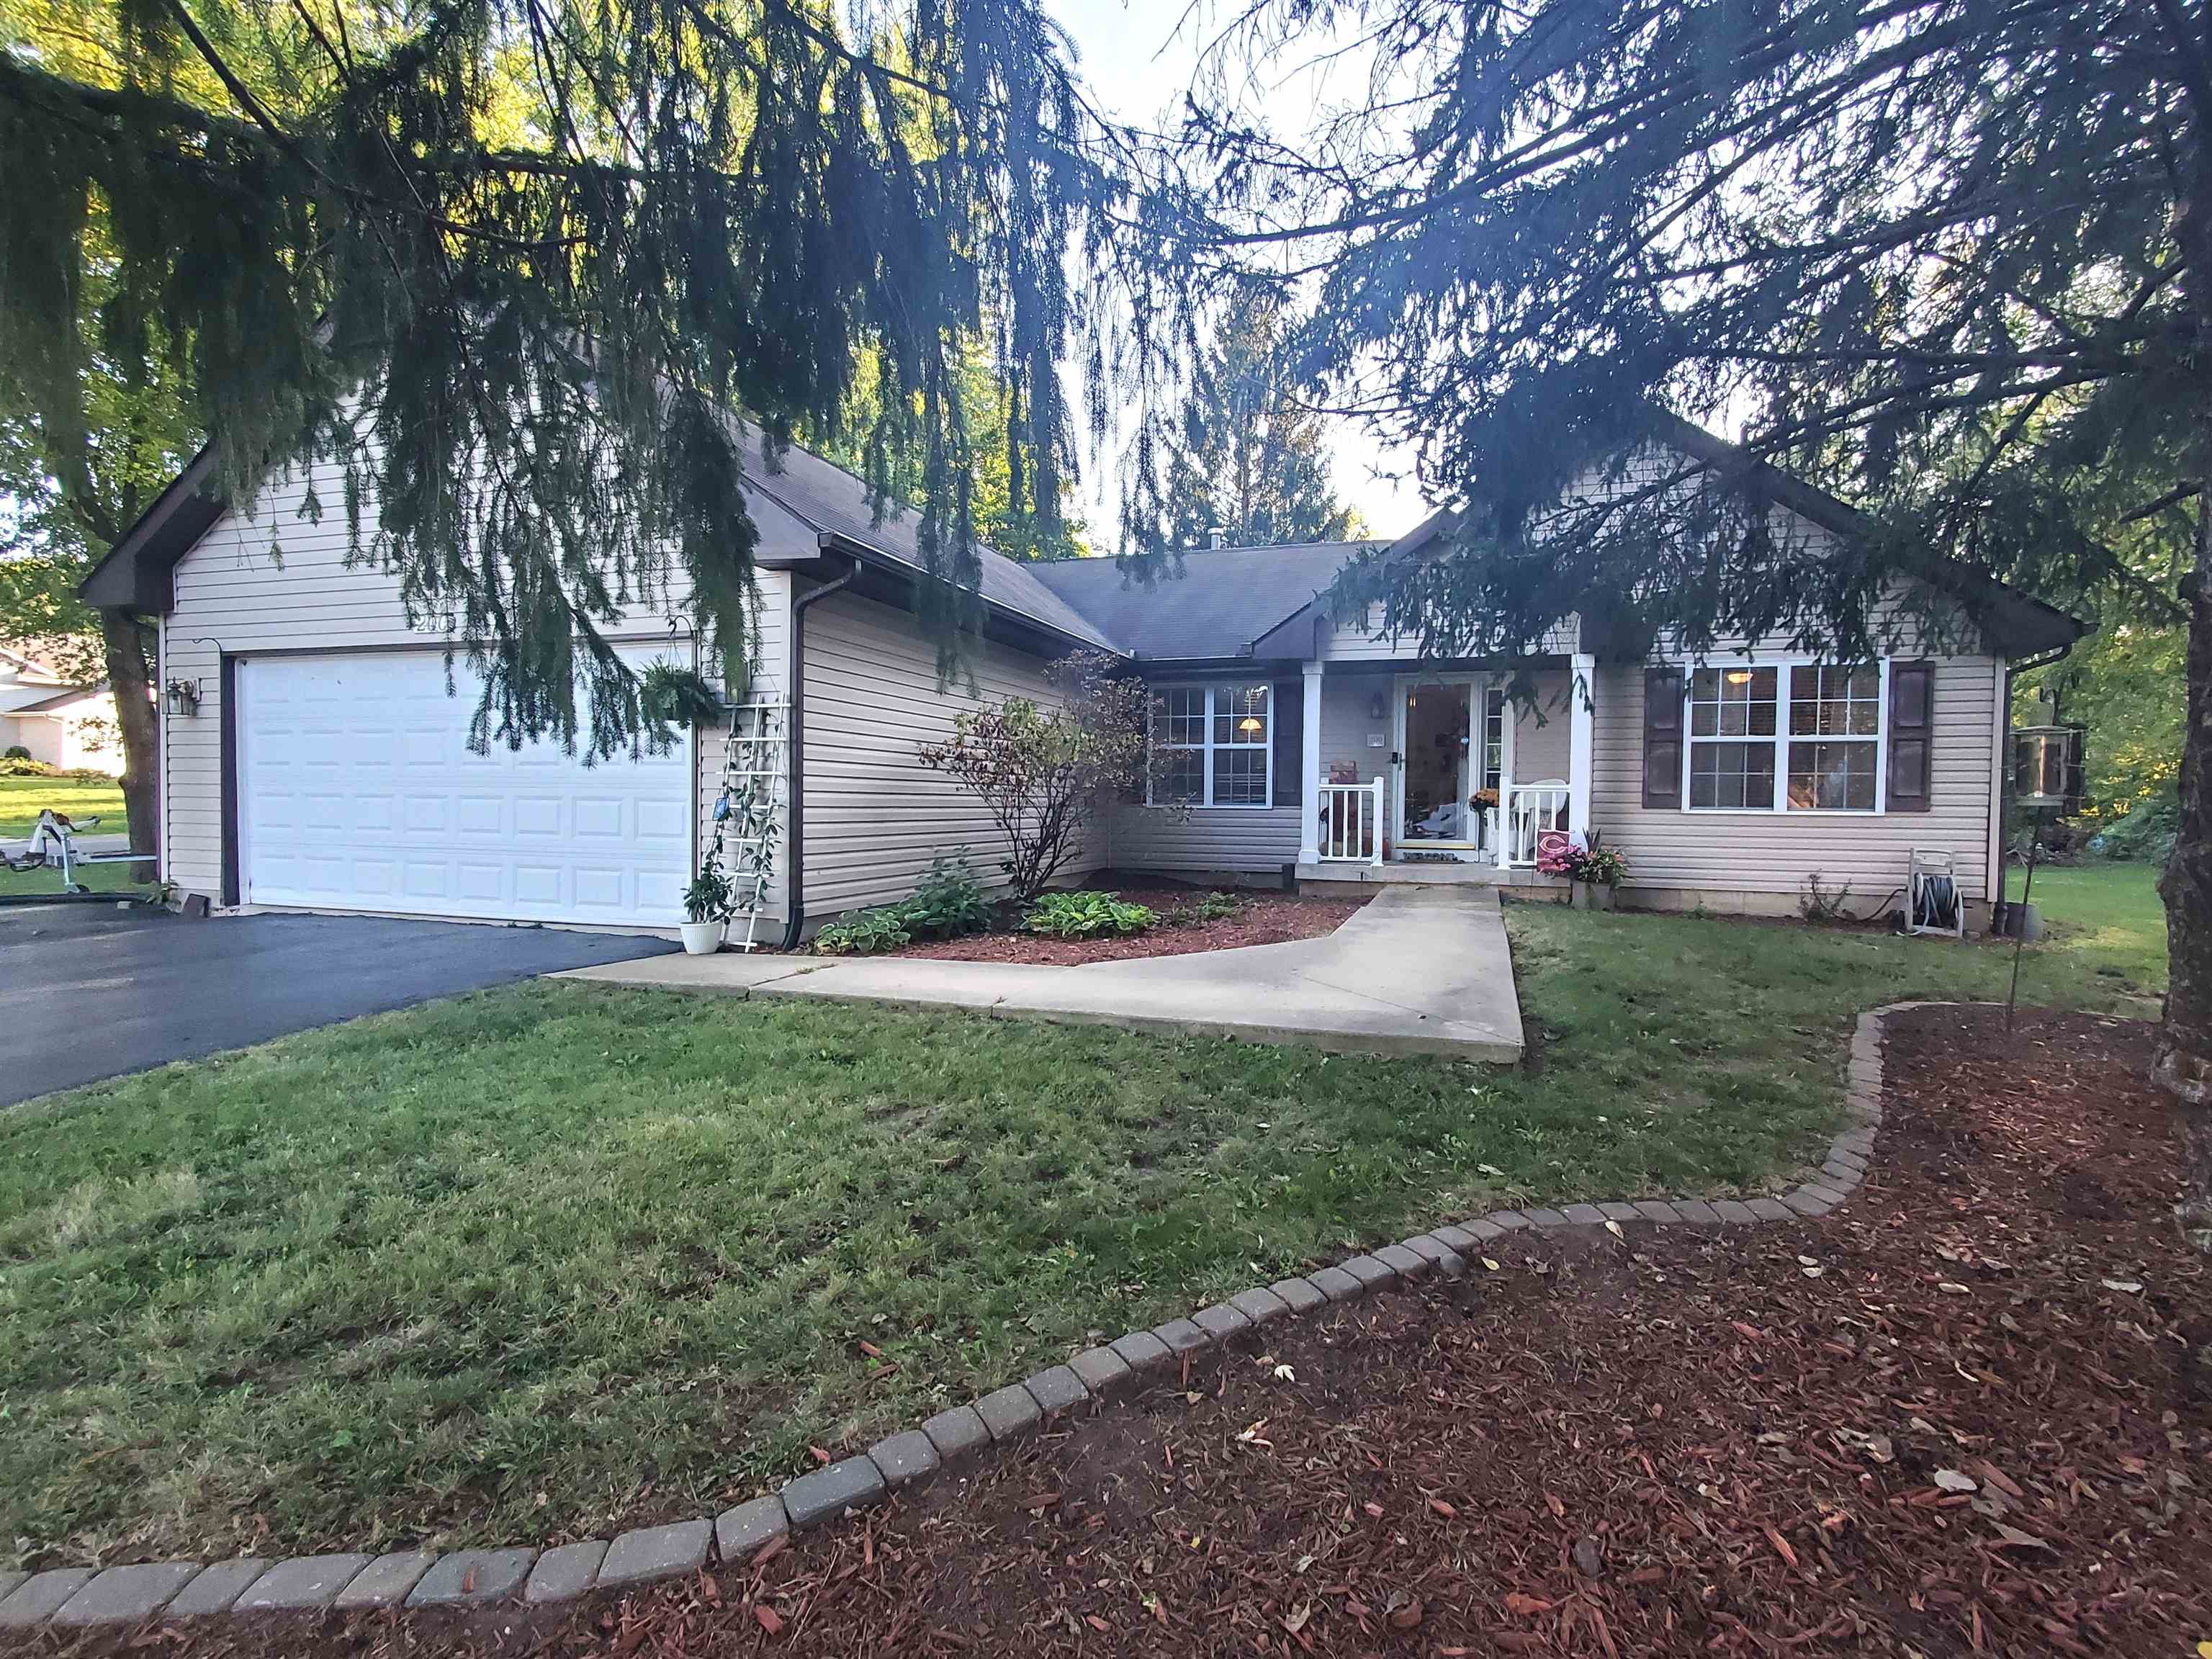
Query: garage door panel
x=598 y=819
x=357 y=791
x=537 y=885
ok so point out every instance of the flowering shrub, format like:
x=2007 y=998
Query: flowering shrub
x=1042 y=770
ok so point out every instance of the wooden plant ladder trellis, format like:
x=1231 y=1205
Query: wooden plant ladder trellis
x=749 y=810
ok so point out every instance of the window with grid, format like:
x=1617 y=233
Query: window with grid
x=1835 y=737
x=1179 y=733
x=1493 y=738
x=1212 y=745
x=1813 y=728
x=1732 y=729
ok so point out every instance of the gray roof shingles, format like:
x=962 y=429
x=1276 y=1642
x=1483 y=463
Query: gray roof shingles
x=1208 y=603
x=826 y=497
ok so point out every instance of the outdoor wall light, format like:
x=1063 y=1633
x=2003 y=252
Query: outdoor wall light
x=182 y=697
x=1375 y=708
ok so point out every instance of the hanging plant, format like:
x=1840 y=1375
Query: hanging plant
x=672 y=699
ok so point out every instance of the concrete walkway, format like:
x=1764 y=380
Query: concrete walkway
x=1418 y=971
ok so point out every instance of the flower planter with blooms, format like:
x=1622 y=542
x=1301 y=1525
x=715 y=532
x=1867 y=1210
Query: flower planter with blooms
x=1483 y=804
x=1594 y=869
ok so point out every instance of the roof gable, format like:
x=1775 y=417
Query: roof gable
x=1216 y=605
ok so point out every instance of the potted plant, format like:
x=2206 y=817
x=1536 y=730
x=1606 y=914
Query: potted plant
x=1594 y=870
x=706 y=908
x=1482 y=803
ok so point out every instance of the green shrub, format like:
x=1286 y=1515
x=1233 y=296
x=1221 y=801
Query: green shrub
x=1217 y=907
x=2145 y=834
x=949 y=904
x=1085 y=915
x=17 y=751
x=865 y=933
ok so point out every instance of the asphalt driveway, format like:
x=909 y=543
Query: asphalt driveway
x=89 y=992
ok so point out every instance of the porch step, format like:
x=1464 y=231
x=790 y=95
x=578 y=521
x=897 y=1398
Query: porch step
x=1422 y=874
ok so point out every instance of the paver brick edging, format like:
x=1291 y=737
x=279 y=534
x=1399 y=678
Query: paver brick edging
x=648 y=1554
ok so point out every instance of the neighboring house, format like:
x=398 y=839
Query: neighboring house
x=326 y=767
x=68 y=727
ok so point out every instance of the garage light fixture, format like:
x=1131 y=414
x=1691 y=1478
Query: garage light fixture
x=182 y=697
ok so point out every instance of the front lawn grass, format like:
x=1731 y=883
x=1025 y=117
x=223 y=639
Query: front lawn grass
x=2107 y=918
x=46 y=881
x=537 y=1262
x=21 y=800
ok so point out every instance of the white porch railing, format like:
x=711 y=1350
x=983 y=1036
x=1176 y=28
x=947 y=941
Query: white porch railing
x=1352 y=822
x=1532 y=808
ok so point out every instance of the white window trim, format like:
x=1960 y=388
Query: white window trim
x=1782 y=664
x=1207 y=748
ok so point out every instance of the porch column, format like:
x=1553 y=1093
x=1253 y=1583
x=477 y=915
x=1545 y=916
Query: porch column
x=1582 y=730
x=1511 y=719
x=1310 y=767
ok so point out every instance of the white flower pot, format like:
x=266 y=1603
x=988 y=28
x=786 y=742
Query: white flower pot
x=702 y=938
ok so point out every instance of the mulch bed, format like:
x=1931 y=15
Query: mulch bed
x=1260 y=918
x=1960 y=1417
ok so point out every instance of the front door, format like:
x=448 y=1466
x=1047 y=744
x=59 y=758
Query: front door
x=1440 y=762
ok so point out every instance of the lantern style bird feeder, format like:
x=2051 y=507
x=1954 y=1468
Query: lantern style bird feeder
x=2046 y=768
x=2046 y=780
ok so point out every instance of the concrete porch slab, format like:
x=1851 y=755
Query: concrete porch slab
x=1423 y=873
x=1416 y=971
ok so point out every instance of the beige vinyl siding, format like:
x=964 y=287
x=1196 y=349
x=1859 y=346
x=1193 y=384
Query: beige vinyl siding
x=1774 y=853
x=1347 y=722
x=1365 y=642
x=875 y=815
x=233 y=595
x=1541 y=734
x=1205 y=840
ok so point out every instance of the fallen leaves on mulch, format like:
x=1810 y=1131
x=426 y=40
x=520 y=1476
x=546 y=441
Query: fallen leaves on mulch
x=1260 y=918
x=1957 y=1439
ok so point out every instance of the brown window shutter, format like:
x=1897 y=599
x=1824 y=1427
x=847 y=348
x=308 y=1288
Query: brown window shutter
x=1911 y=736
x=1662 y=737
x=1289 y=713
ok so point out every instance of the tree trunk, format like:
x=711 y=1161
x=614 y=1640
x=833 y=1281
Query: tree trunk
x=2185 y=1049
x=131 y=678
x=2185 y=1058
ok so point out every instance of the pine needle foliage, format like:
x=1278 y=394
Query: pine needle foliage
x=513 y=269
x=1924 y=253
x=1249 y=458
x=1951 y=257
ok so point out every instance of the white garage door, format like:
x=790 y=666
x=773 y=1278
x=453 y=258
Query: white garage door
x=357 y=791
